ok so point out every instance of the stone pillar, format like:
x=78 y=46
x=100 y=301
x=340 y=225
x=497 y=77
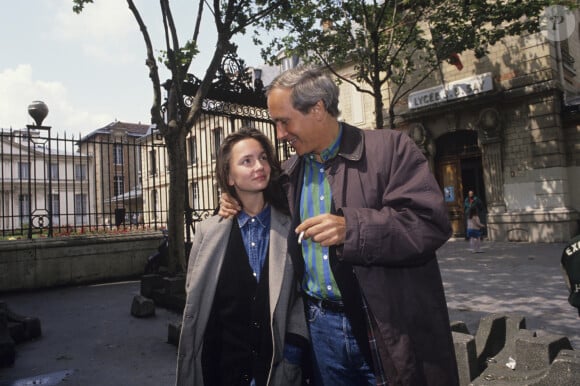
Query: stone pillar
x=422 y=139
x=490 y=130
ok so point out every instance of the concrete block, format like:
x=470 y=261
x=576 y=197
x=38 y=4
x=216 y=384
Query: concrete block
x=459 y=326
x=7 y=350
x=173 y=333
x=564 y=371
x=514 y=325
x=538 y=352
x=142 y=306
x=465 y=354
x=174 y=285
x=150 y=283
x=490 y=338
x=21 y=328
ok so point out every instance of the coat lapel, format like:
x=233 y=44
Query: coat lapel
x=277 y=256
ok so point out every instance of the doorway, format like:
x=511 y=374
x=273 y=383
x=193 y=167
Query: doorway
x=459 y=169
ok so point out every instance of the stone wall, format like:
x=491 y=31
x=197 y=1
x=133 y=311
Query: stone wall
x=41 y=263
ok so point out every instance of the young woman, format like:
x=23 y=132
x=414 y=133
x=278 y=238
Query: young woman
x=474 y=227
x=243 y=322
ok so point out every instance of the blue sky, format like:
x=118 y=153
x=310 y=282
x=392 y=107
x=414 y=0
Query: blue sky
x=89 y=68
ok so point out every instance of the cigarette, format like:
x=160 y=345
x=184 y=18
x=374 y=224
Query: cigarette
x=300 y=236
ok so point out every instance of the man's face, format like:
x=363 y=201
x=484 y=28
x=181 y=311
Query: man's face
x=470 y=194
x=302 y=131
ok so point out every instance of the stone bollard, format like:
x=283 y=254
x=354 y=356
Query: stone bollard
x=142 y=306
x=538 y=352
x=512 y=355
x=14 y=329
x=465 y=354
x=7 y=349
x=150 y=283
x=564 y=371
x=173 y=333
x=496 y=333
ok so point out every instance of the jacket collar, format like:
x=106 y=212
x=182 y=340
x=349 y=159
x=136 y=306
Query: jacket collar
x=351 y=147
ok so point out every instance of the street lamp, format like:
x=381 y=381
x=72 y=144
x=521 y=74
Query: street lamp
x=38 y=110
x=258 y=83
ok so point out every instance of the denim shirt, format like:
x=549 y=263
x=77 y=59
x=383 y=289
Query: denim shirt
x=256 y=236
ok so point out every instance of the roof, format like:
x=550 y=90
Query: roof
x=133 y=129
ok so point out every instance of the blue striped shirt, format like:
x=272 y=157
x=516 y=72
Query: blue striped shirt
x=316 y=199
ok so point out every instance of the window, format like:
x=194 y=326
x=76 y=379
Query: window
x=289 y=63
x=53 y=172
x=23 y=170
x=80 y=172
x=154 y=203
x=118 y=185
x=152 y=162
x=80 y=208
x=118 y=154
x=194 y=194
x=24 y=208
x=217 y=140
x=192 y=150
x=54 y=201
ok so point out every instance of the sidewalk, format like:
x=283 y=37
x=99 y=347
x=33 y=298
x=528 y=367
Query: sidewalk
x=89 y=334
x=519 y=278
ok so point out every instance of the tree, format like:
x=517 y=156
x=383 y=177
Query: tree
x=393 y=45
x=174 y=117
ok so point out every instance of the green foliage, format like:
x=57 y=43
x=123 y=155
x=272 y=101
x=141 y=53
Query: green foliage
x=182 y=57
x=393 y=42
x=79 y=5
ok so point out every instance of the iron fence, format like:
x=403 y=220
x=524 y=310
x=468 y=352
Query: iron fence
x=113 y=181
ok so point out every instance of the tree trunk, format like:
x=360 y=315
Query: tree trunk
x=378 y=96
x=176 y=150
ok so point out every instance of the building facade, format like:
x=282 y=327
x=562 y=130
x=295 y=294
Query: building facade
x=41 y=185
x=506 y=126
x=117 y=171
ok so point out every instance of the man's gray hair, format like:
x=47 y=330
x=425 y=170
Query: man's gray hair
x=309 y=85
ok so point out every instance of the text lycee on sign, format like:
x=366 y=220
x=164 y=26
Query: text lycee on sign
x=453 y=90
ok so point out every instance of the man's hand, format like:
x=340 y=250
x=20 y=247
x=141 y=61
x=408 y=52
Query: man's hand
x=326 y=229
x=229 y=207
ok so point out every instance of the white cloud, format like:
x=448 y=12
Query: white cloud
x=18 y=89
x=102 y=21
x=104 y=30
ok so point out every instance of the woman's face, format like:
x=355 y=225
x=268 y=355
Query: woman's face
x=249 y=167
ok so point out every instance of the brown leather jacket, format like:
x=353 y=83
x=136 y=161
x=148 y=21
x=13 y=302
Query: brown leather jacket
x=396 y=219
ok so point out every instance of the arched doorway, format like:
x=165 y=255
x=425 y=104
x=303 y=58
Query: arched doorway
x=459 y=169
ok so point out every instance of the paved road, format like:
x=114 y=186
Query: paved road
x=89 y=331
x=519 y=278
x=90 y=338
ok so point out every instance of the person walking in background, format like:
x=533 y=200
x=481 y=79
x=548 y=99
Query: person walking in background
x=474 y=227
x=243 y=322
x=471 y=201
x=368 y=217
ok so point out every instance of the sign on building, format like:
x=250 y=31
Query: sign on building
x=453 y=90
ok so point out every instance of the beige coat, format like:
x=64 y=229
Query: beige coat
x=286 y=307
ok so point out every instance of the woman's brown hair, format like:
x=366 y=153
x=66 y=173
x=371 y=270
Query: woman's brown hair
x=273 y=193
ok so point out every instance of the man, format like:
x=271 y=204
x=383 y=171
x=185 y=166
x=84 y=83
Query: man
x=368 y=218
x=471 y=201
